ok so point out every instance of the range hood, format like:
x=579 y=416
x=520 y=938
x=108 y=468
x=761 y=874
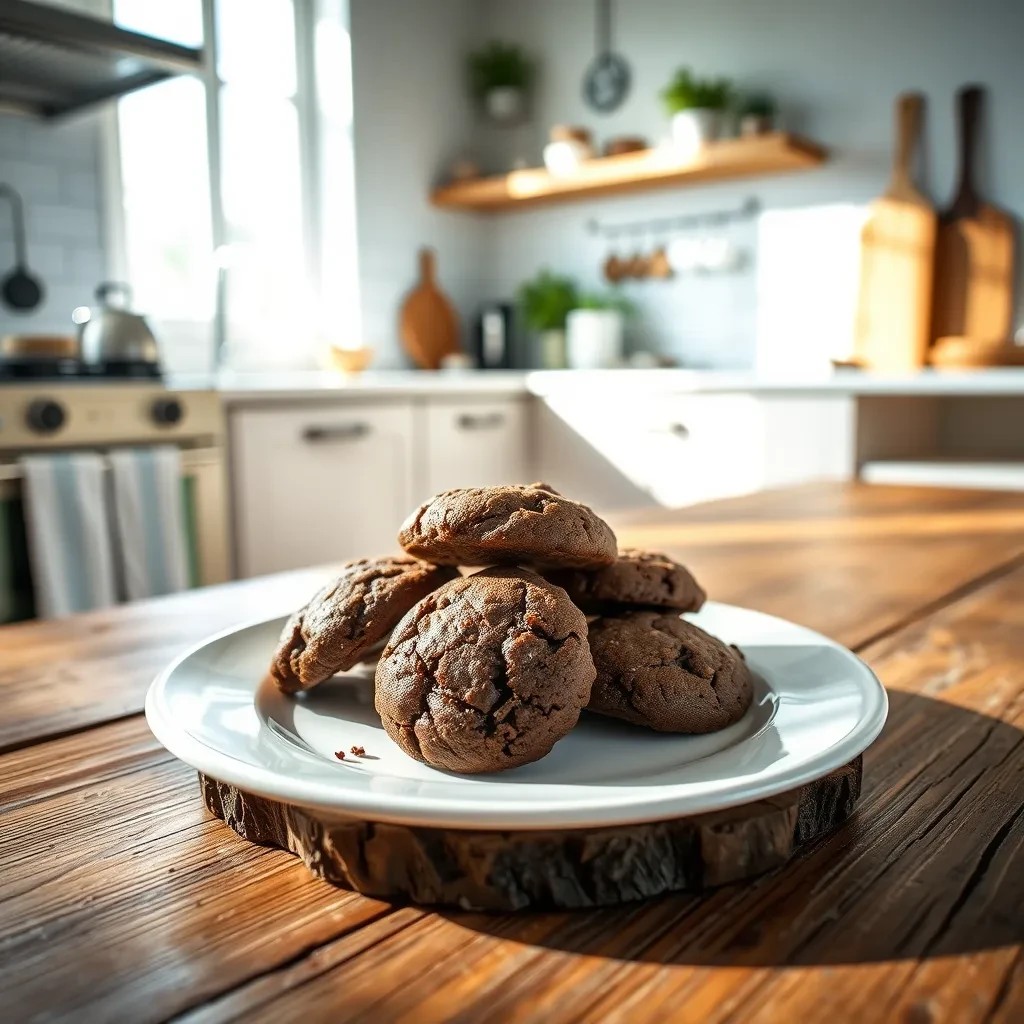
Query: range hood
x=54 y=61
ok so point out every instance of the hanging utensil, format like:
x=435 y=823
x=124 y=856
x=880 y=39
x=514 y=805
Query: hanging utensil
x=614 y=268
x=658 y=265
x=20 y=289
x=638 y=266
x=606 y=83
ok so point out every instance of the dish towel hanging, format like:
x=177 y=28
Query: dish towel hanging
x=68 y=532
x=149 y=520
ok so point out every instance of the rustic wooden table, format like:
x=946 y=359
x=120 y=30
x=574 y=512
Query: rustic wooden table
x=122 y=899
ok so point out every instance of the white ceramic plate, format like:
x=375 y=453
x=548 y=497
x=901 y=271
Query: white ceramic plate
x=816 y=706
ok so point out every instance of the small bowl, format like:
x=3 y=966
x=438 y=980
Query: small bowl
x=350 y=360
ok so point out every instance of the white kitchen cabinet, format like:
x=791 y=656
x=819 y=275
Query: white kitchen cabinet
x=678 y=449
x=319 y=483
x=475 y=443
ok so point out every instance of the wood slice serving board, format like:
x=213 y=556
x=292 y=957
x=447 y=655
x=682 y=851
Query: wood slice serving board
x=571 y=868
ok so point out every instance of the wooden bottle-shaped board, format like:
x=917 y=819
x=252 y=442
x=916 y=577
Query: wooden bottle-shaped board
x=892 y=328
x=428 y=324
x=974 y=259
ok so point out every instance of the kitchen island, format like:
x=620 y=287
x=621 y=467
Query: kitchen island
x=124 y=899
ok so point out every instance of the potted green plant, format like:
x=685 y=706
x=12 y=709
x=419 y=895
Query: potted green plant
x=696 y=106
x=546 y=302
x=594 y=331
x=757 y=114
x=499 y=77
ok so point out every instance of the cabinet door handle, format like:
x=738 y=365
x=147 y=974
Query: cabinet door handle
x=480 y=421
x=676 y=429
x=335 y=432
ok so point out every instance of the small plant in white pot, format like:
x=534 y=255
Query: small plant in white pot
x=546 y=302
x=499 y=79
x=696 y=106
x=595 y=331
x=757 y=114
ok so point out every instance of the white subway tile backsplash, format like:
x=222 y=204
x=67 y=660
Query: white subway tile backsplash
x=84 y=265
x=71 y=143
x=45 y=260
x=35 y=182
x=67 y=223
x=79 y=186
x=55 y=167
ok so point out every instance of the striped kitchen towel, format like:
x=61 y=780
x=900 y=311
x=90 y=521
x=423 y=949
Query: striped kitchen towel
x=149 y=520
x=68 y=531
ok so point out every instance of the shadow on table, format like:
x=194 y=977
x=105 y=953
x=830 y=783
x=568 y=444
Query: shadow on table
x=930 y=864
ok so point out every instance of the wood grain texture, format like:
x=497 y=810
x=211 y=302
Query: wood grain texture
x=59 y=675
x=564 y=869
x=974 y=251
x=894 y=304
x=775 y=153
x=428 y=324
x=914 y=910
x=846 y=559
x=122 y=899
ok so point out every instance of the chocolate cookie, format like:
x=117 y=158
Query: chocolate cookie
x=349 y=616
x=661 y=671
x=487 y=673
x=508 y=525
x=635 y=579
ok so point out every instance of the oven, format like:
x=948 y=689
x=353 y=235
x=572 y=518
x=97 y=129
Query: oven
x=46 y=417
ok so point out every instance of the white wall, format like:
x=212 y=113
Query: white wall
x=835 y=68
x=55 y=168
x=411 y=118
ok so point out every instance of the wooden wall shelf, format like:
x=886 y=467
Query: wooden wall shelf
x=634 y=172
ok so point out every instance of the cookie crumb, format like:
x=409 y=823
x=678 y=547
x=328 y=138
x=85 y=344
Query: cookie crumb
x=340 y=755
x=359 y=751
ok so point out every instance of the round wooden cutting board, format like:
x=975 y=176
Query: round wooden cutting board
x=571 y=868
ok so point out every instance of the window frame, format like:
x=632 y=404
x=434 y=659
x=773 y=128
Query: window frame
x=306 y=101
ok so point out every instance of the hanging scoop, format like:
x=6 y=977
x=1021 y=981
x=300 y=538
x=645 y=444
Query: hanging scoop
x=20 y=289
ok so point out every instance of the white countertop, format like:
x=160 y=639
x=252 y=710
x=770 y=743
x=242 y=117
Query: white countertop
x=244 y=388
x=238 y=387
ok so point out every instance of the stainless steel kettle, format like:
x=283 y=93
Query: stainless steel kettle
x=111 y=334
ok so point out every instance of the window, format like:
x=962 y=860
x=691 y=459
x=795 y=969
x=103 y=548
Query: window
x=239 y=222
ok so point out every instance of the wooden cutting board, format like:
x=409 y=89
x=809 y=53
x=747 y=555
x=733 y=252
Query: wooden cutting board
x=428 y=324
x=974 y=252
x=893 y=320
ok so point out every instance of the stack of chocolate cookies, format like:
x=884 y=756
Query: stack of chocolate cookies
x=487 y=671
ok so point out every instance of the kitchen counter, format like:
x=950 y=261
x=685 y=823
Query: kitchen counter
x=125 y=900
x=243 y=388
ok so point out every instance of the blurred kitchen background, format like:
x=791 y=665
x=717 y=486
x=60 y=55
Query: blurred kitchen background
x=309 y=261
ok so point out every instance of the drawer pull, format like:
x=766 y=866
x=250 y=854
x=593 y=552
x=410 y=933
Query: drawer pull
x=335 y=432
x=676 y=429
x=481 y=421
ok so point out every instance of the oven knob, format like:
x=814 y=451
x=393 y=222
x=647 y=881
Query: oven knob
x=167 y=412
x=45 y=416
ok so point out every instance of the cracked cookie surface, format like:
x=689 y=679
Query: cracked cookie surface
x=635 y=579
x=349 y=616
x=528 y=524
x=487 y=673
x=659 y=670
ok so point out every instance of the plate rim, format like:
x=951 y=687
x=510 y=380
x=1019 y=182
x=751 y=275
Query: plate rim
x=427 y=812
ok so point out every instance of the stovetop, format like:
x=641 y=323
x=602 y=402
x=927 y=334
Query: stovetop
x=70 y=371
